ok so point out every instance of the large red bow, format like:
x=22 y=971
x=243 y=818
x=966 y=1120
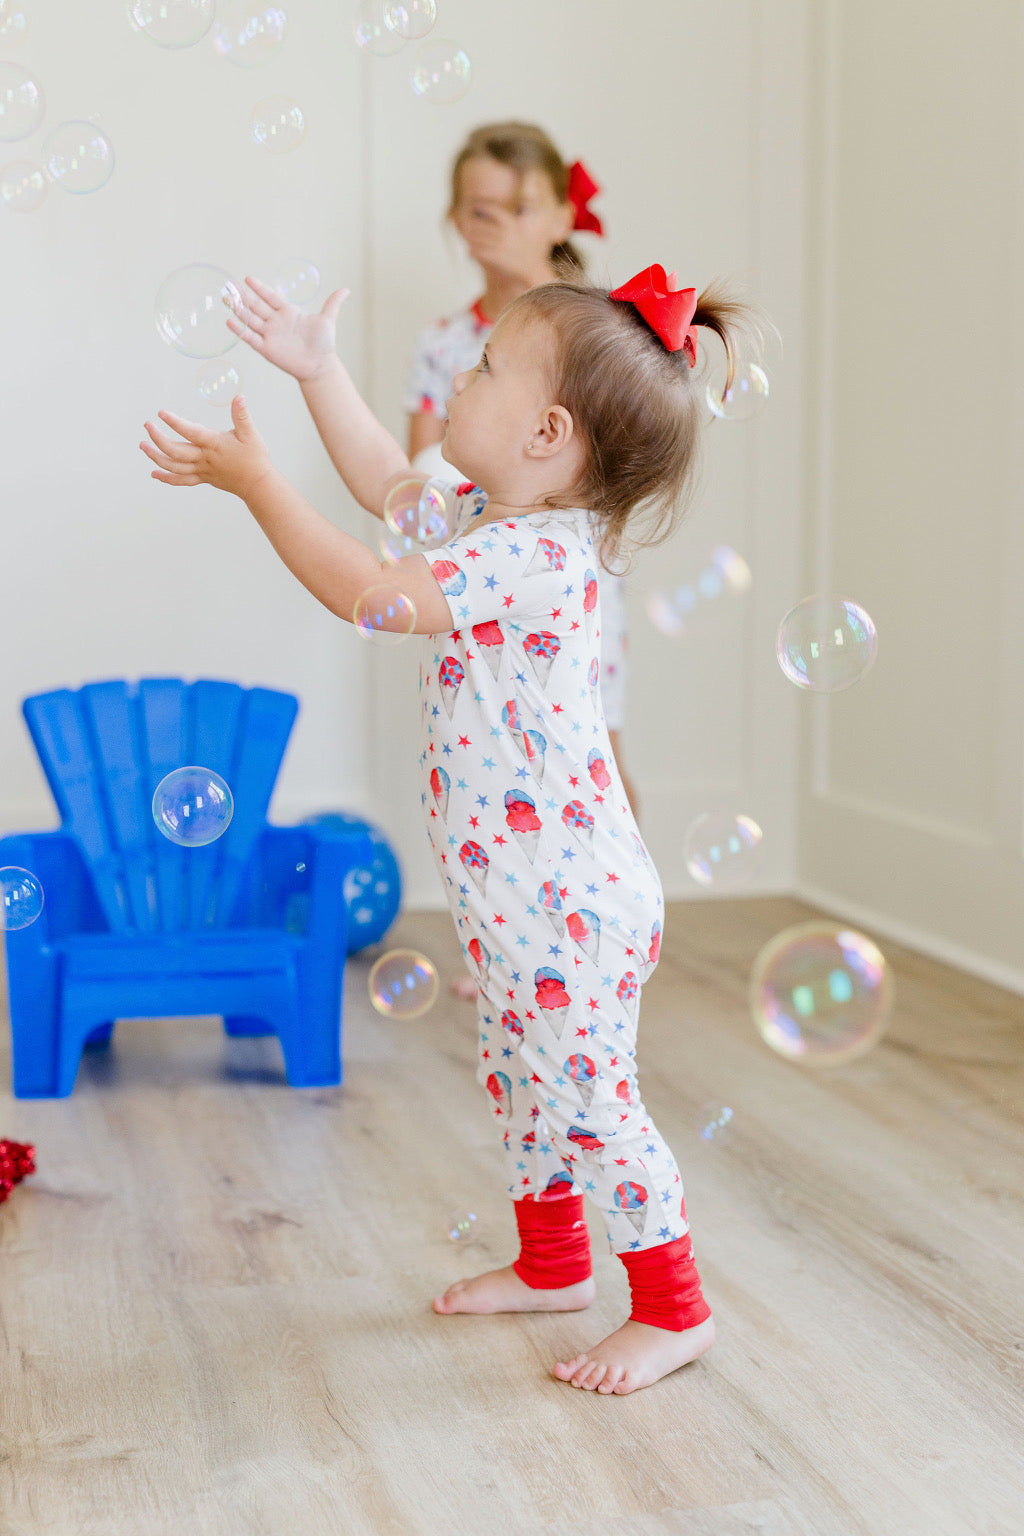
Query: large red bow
x=582 y=188
x=667 y=309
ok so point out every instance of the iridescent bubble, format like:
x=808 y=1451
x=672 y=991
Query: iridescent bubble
x=172 y=23
x=734 y=569
x=820 y=993
x=23 y=185
x=395 y=546
x=420 y=510
x=664 y=613
x=826 y=644
x=384 y=615
x=21 y=898
x=192 y=806
x=710 y=582
x=723 y=849
x=247 y=33
x=298 y=280
x=745 y=396
x=411 y=19
x=191 y=310
x=79 y=157
x=403 y=984
x=218 y=382
x=13 y=23
x=372 y=33
x=22 y=103
x=441 y=72
x=461 y=1226
x=715 y=1122
x=277 y=124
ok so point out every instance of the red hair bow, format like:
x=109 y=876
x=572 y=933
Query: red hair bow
x=667 y=309
x=582 y=188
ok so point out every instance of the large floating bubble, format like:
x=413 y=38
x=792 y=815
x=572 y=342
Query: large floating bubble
x=723 y=849
x=22 y=102
x=277 y=124
x=420 y=511
x=403 y=984
x=410 y=18
x=441 y=72
x=820 y=993
x=247 y=33
x=21 y=898
x=218 y=382
x=79 y=157
x=13 y=23
x=826 y=644
x=384 y=615
x=23 y=186
x=172 y=23
x=298 y=280
x=372 y=33
x=192 y=308
x=744 y=398
x=192 y=806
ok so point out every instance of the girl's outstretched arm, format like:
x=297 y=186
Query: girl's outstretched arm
x=336 y=568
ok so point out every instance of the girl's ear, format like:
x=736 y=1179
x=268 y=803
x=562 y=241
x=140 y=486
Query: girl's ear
x=553 y=432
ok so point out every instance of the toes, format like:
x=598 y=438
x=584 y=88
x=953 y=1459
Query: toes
x=565 y=1368
x=584 y=1370
x=612 y=1379
x=594 y=1376
x=625 y=1386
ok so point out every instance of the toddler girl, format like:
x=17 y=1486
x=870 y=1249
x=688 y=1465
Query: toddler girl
x=583 y=407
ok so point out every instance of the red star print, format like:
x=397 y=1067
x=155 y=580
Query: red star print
x=613 y=878
x=529 y=1015
x=534 y=1078
x=556 y=613
x=464 y=741
x=444 y=858
x=599 y=799
x=497 y=918
x=623 y=1117
x=573 y=781
x=455 y=635
x=472 y=554
x=614 y=1061
x=525 y=1182
x=511 y=996
x=500 y=840
x=433 y=812
x=629 y=952
x=431 y=746
x=474 y=821
x=556 y=709
x=581 y=1034
x=508 y=601
x=485 y=1055
x=622 y=1161
x=592 y=1003
x=575 y=624
x=563 y=891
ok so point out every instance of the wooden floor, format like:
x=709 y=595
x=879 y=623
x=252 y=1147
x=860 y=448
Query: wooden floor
x=215 y=1292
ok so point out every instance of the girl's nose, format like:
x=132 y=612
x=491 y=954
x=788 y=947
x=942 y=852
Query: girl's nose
x=459 y=383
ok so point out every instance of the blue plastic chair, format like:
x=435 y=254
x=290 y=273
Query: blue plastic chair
x=253 y=927
x=373 y=891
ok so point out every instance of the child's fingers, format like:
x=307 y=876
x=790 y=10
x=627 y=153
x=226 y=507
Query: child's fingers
x=191 y=430
x=255 y=341
x=169 y=479
x=182 y=453
x=260 y=307
x=164 y=461
x=270 y=296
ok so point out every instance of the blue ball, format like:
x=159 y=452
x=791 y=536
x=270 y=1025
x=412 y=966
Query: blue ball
x=373 y=891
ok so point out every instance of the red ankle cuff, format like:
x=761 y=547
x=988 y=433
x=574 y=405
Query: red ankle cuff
x=665 y=1286
x=554 y=1242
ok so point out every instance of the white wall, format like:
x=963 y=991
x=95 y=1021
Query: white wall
x=690 y=116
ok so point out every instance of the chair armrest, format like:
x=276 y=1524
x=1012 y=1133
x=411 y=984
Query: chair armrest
x=297 y=874
x=70 y=904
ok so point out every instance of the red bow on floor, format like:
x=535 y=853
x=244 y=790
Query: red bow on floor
x=667 y=309
x=16 y=1160
x=582 y=188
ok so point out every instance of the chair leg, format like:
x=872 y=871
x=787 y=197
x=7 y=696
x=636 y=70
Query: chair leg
x=100 y=1035
x=312 y=1052
x=35 y=1029
x=243 y=1026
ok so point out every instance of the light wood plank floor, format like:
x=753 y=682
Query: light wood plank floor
x=215 y=1292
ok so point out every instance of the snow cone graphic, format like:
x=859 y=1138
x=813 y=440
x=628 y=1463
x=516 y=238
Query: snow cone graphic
x=622 y=1091
x=511 y=1025
x=476 y=864
x=655 y=949
x=542 y=648
x=584 y=1138
x=450 y=579
x=512 y=723
x=552 y=998
x=479 y=957
x=585 y=930
x=522 y=821
x=535 y=745
x=590 y=601
x=628 y=993
x=598 y=769
x=593 y=674
x=440 y=784
x=500 y=1089
x=489 y=640
x=548 y=556
x=583 y=1072
x=558 y=1186
x=641 y=850
x=551 y=901
x=580 y=823
x=450 y=677
x=631 y=1199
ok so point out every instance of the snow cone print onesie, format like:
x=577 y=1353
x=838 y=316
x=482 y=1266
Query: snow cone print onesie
x=558 y=906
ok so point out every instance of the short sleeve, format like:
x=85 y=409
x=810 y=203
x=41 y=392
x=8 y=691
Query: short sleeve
x=425 y=387
x=507 y=571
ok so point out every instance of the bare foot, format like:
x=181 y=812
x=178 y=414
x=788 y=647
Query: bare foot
x=464 y=987
x=635 y=1355
x=501 y=1290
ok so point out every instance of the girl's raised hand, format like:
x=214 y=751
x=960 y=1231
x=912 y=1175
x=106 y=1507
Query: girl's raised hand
x=303 y=345
x=232 y=461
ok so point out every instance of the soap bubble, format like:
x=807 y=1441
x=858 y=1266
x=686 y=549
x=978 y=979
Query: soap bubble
x=723 y=849
x=192 y=307
x=372 y=33
x=461 y=1226
x=79 y=157
x=277 y=124
x=826 y=644
x=734 y=569
x=22 y=103
x=13 y=23
x=715 y=1122
x=298 y=280
x=710 y=582
x=410 y=18
x=820 y=993
x=385 y=615
x=247 y=33
x=745 y=396
x=420 y=510
x=23 y=185
x=667 y=610
x=727 y=571
x=192 y=806
x=441 y=73
x=21 y=898
x=403 y=984
x=218 y=382
x=172 y=23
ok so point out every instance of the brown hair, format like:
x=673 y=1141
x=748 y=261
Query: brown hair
x=522 y=147
x=639 y=408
